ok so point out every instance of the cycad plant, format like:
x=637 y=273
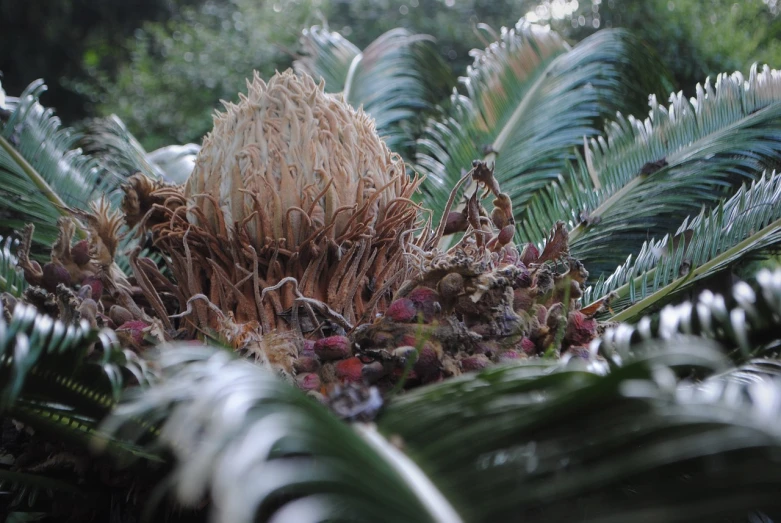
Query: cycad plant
x=316 y=328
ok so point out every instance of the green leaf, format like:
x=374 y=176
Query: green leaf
x=262 y=448
x=41 y=172
x=108 y=140
x=748 y=222
x=11 y=280
x=396 y=79
x=746 y=321
x=541 y=444
x=327 y=55
x=530 y=100
x=652 y=173
x=47 y=366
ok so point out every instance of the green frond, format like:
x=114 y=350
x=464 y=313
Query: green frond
x=746 y=321
x=565 y=444
x=748 y=222
x=529 y=102
x=654 y=172
x=59 y=375
x=109 y=140
x=11 y=280
x=32 y=493
x=261 y=449
x=326 y=54
x=40 y=171
x=396 y=78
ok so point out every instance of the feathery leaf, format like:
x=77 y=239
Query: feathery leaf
x=746 y=223
x=396 y=78
x=48 y=366
x=746 y=320
x=529 y=102
x=654 y=172
x=565 y=444
x=40 y=171
x=265 y=451
x=11 y=280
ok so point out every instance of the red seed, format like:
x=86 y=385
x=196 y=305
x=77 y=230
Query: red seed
x=530 y=254
x=506 y=234
x=510 y=356
x=580 y=329
x=527 y=346
x=80 y=253
x=306 y=364
x=402 y=310
x=472 y=363
x=97 y=286
x=428 y=365
x=426 y=302
x=333 y=348
x=350 y=370
x=53 y=275
x=134 y=330
x=308 y=381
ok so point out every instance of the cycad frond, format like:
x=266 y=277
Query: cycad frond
x=652 y=173
x=263 y=450
x=746 y=320
x=41 y=172
x=530 y=101
x=11 y=280
x=572 y=445
x=60 y=380
x=62 y=376
x=537 y=441
x=395 y=78
x=31 y=493
x=745 y=224
x=109 y=140
x=328 y=55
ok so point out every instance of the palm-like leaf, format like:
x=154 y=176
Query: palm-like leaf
x=261 y=448
x=11 y=279
x=109 y=140
x=653 y=173
x=575 y=445
x=539 y=442
x=396 y=78
x=49 y=367
x=60 y=380
x=745 y=224
x=41 y=172
x=745 y=319
x=530 y=100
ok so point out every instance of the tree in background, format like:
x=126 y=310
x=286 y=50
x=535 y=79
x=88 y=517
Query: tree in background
x=62 y=40
x=696 y=38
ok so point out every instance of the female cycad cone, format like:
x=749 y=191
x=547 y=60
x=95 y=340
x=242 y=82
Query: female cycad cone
x=292 y=187
x=297 y=219
x=290 y=161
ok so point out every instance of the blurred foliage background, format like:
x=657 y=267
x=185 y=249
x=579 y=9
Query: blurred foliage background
x=163 y=65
